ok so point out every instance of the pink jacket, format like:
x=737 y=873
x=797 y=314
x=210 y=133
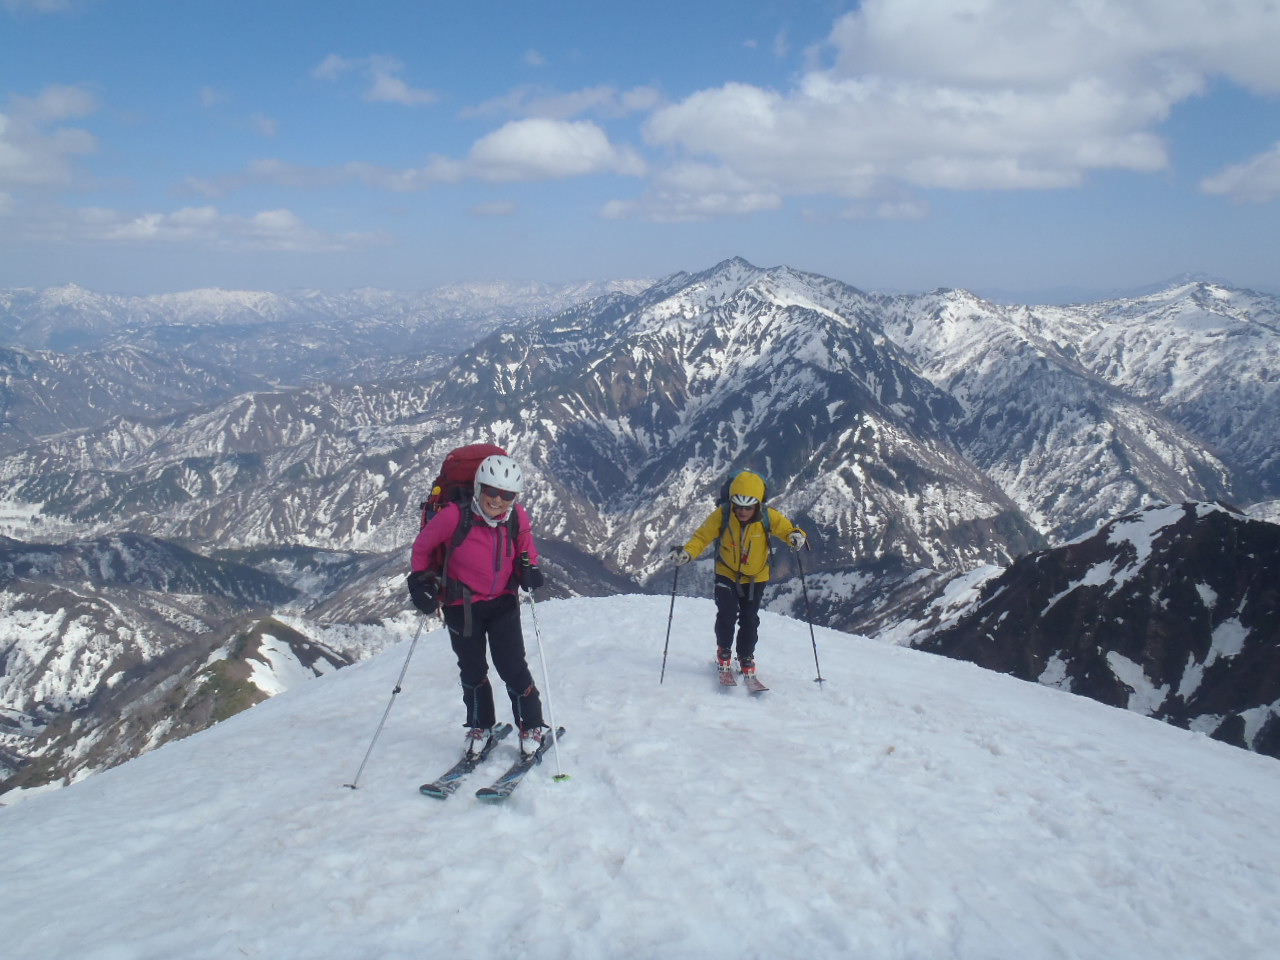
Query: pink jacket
x=485 y=560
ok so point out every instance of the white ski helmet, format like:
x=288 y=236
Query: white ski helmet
x=501 y=472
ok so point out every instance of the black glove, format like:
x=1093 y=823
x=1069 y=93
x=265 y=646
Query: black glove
x=424 y=590
x=527 y=575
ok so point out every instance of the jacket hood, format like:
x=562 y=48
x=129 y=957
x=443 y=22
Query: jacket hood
x=747 y=484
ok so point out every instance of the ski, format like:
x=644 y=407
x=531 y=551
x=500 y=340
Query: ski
x=452 y=779
x=501 y=788
x=753 y=683
x=727 y=678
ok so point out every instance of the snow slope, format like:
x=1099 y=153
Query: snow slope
x=911 y=807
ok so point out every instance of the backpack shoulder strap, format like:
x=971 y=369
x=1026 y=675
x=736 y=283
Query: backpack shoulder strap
x=465 y=519
x=452 y=586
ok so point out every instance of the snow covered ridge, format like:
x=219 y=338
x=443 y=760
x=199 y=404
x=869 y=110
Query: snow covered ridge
x=911 y=807
x=57 y=317
x=919 y=439
x=1170 y=612
x=941 y=428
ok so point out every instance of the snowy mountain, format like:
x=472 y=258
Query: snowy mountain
x=71 y=358
x=115 y=646
x=926 y=442
x=1173 y=612
x=912 y=806
x=940 y=429
x=1081 y=414
x=71 y=318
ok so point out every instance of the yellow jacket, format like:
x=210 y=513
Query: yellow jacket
x=744 y=550
x=744 y=553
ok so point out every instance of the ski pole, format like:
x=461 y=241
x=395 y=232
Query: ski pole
x=809 y=617
x=385 y=713
x=670 y=616
x=546 y=685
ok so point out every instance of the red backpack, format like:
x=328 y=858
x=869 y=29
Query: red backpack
x=456 y=484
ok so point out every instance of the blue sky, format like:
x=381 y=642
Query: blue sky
x=1016 y=146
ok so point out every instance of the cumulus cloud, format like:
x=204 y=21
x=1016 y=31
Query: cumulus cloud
x=902 y=98
x=541 y=149
x=971 y=94
x=1256 y=180
x=382 y=78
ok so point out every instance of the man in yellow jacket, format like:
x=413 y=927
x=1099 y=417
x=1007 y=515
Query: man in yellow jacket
x=742 y=567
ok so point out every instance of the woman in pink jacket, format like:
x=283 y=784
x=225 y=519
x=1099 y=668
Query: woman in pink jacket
x=478 y=593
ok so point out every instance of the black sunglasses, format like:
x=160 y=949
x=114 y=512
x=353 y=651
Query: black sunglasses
x=489 y=491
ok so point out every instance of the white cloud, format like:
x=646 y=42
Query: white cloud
x=694 y=191
x=540 y=149
x=387 y=87
x=909 y=208
x=661 y=206
x=211 y=97
x=522 y=150
x=1135 y=44
x=602 y=100
x=382 y=74
x=35 y=151
x=904 y=97
x=910 y=95
x=1256 y=180
x=332 y=67
x=204 y=226
x=267 y=126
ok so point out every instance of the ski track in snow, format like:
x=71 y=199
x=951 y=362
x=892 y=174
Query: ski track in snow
x=911 y=807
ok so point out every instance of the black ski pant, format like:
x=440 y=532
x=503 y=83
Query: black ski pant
x=495 y=624
x=738 y=604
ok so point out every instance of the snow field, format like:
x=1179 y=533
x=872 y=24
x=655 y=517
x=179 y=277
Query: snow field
x=911 y=807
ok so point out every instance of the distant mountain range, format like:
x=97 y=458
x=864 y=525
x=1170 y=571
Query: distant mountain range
x=918 y=438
